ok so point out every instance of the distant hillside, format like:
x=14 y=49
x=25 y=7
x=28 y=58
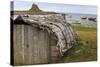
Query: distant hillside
x=33 y=10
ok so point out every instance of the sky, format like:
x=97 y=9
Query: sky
x=55 y=7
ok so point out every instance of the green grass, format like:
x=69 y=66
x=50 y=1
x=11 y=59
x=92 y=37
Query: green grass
x=78 y=27
x=86 y=50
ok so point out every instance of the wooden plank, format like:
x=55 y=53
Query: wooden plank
x=54 y=53
x=43 y=46
x=34 y=41
x=30 y=45
x=27 y=51
x=22 y=42
x=35 y=46
x=18 y=49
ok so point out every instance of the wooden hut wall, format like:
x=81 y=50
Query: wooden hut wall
x=31 y=45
